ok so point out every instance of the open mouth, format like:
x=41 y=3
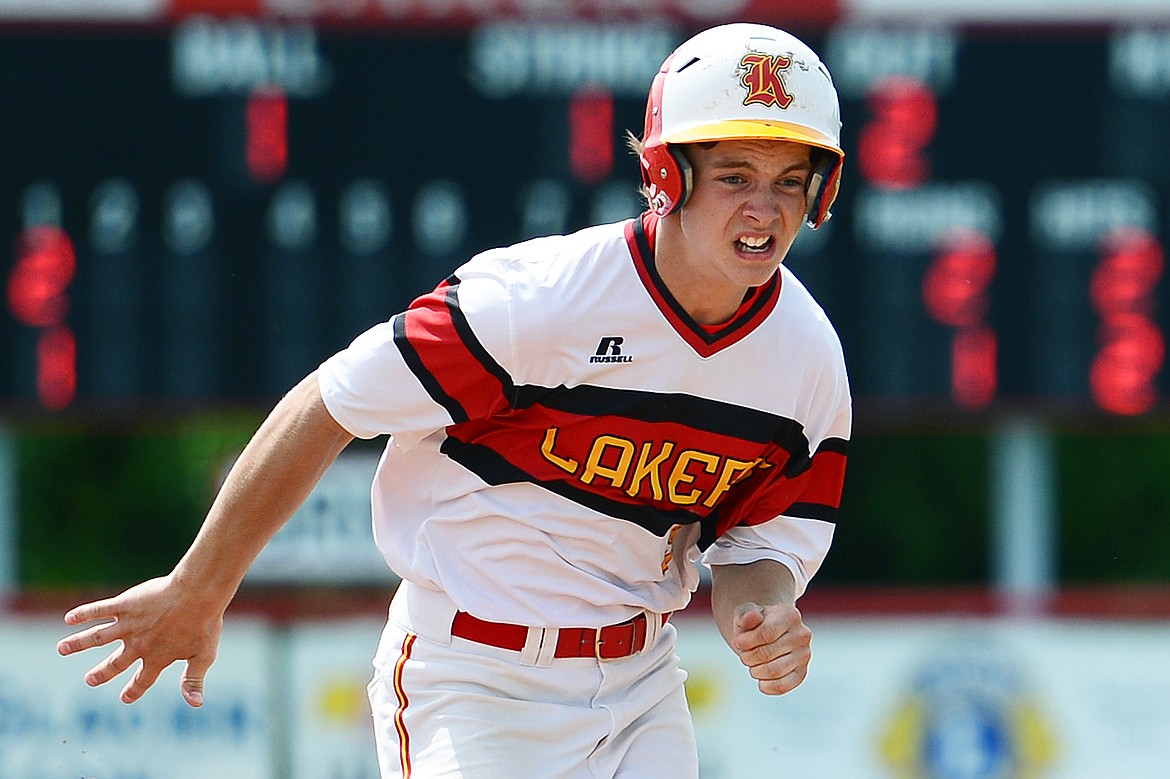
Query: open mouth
x=754 y=244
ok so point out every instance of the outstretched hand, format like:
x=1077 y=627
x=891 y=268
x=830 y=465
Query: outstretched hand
x=157 y=623
x=775 y=645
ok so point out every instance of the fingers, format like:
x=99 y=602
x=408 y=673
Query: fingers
x=192 y=689
x=88 y=612
x=143 y=679
x=775 y=645
x=155 y=628
x=748 y=616
x=757 y=627
x=99 y=635
x=782 y=684
x=191 y=685
x=782 y=673
x=117 y=662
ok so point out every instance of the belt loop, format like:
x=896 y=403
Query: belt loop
x=654 y=625
x=548 y=647
x=539 y=646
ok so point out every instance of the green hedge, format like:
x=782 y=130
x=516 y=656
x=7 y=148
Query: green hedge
x=104 y=507
x=113 y=507
x=1115 y=507
x=914 y=511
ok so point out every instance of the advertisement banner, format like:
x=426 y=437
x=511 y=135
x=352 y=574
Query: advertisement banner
x=330 y=731
x=942 y=699
x=886 y=698
x=52 y=725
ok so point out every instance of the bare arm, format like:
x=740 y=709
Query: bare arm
x=274 y=475
x=180 y=616
x=754 y=606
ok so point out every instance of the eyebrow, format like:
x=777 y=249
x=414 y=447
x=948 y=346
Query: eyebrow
x=733 y=162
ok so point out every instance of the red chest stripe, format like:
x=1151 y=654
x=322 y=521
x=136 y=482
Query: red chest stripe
x=657 y=473
x=656 y=459
x=812 y=494
x=437 y=344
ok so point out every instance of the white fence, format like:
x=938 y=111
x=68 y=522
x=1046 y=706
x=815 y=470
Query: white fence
x=888 y=698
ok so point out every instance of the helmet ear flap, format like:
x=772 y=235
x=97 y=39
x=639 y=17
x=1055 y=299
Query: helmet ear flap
x=667 y=176
x=822 y=188
x=666 y=173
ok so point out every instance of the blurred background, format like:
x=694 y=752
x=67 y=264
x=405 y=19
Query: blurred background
x=200 y=200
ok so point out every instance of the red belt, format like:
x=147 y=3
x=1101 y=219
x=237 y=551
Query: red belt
x=608 y=643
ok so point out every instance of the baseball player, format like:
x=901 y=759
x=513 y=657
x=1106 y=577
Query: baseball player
x=576 y=422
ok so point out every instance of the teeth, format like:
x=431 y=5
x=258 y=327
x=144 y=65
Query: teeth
x=754 y=242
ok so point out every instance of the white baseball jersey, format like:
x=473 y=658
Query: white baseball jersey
x=565 y=439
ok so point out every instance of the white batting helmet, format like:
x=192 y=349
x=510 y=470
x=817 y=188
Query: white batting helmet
x=740 y=81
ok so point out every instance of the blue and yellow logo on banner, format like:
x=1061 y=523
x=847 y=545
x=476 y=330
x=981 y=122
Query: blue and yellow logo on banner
x=968 y=715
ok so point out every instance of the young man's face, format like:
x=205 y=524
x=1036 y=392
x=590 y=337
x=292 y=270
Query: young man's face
x=747 y=206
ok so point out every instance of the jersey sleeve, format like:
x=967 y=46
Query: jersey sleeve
x=793 y=519
x=440 y=362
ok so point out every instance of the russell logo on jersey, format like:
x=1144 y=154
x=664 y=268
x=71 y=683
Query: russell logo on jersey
x=609 y=349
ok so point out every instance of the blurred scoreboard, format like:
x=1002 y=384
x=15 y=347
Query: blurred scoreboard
x=199 y=214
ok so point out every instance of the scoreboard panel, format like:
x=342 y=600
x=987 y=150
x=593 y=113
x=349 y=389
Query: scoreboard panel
x=198 y=214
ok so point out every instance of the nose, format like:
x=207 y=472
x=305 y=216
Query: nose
x=761 y=206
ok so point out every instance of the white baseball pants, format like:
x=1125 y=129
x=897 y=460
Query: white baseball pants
x=448 y=708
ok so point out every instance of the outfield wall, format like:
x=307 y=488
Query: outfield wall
x=918 y=693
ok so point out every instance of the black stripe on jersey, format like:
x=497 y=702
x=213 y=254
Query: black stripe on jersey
x=474 y=347
x=838 y=445
x=494 y=469
x=709 y=416
x=467 y=337
x=708 y=531
x=799 y=463
x=812 y=511
x=410 y=356
x=709 y=338
x=643 y=241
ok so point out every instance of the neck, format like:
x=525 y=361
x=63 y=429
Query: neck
x=704 y=300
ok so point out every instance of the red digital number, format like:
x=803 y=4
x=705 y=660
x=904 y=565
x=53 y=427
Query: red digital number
x=591 y=135
x=56 y=367
x=955 y=294
x=38 y=297
x=1132 y=348
x=891 y=147
x=266 y=124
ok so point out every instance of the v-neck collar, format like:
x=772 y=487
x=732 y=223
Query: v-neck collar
x=706 y=341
